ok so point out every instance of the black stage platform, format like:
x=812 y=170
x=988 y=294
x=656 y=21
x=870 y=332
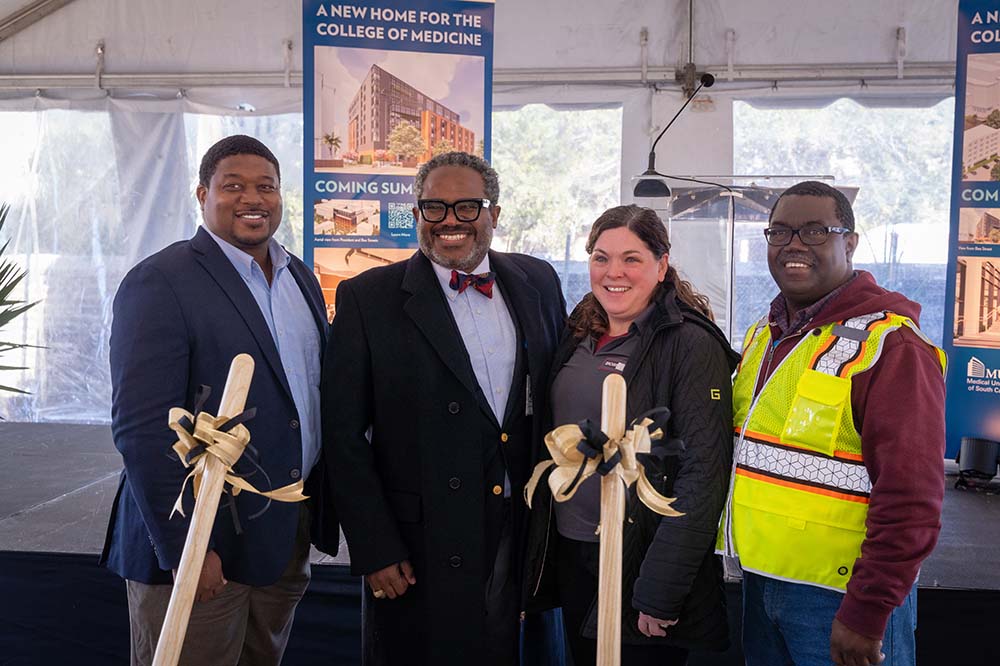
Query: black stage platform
x=57 y=482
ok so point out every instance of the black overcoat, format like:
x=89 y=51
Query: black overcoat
x=397 y=373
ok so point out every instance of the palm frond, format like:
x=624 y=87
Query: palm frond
x=11 y=276
x=9 y=346
x=7 y=315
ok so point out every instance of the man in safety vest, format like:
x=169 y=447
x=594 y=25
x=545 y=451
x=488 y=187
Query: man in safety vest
x=837 y=481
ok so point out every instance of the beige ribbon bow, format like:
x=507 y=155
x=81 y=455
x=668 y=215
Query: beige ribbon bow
x=227 y=447
x=567 y=460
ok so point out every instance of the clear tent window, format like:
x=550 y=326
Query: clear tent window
x=94 y=192
x=899 y=158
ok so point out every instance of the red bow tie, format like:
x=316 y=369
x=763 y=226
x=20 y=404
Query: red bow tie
x=483 y=282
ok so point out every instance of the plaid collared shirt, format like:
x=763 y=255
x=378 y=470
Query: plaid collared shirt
x=778 y=316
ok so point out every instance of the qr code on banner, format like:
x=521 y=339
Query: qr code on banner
x=400 y=215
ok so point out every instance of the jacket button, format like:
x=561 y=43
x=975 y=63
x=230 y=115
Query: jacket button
x=455 y=561
x=454 y=483
x=504 y=437
x=817 y=331
x=453 y=408
x=295 y=473
x=497 y=490
x=293 y=424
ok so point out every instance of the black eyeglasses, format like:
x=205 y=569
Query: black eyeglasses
x=466 y=210
x=810 y=234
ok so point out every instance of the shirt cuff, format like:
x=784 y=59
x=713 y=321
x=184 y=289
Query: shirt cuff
x=867 y=619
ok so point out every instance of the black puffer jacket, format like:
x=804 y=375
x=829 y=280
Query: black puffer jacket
x=669 y=567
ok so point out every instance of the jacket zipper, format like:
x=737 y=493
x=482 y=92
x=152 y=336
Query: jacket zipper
x=545 y=549
x=632 y=366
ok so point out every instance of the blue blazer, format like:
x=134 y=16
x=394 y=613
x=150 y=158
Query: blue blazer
x=180 y=317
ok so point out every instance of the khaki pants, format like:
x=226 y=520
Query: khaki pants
x=244 y=625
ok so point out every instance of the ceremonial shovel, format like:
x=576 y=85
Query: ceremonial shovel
x=609 y=591
x=168 y=648
x=578 y=452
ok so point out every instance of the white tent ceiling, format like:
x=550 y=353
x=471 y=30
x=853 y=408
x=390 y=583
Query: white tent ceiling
x=222 y=53
x=564 y=33
x=211 y=36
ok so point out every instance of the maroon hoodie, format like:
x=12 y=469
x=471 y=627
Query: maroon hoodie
x=898 y=408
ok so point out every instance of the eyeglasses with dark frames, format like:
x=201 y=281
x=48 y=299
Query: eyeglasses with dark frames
x=810 y=234
x=466 y=210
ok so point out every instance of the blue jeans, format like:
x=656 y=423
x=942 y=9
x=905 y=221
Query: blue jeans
x=788 y=624
x=542 y=641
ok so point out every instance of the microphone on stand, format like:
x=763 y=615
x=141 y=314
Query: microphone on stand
x=651 y=183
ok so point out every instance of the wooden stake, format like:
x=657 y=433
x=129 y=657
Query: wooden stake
x=168 y=648
x=609 y=596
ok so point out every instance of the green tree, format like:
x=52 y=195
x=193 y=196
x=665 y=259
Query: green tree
x=559 y=170
x=442 y=146
x=10 y=276
x=993 y=120
x=332 y=142
x=995 y=171
x=405 y=141
x=900 y=159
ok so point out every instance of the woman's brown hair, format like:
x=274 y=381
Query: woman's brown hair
x=589 y=318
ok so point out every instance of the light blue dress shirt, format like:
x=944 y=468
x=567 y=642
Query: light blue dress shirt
x=488 y=334
x=293 y=329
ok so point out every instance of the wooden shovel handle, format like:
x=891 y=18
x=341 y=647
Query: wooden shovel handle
x=168 y=648
x=609 y=596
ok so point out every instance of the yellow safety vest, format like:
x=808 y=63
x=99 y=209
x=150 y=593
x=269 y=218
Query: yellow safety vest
x=798 y=496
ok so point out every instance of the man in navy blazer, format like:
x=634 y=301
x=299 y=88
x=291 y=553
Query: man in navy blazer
x=180 y=317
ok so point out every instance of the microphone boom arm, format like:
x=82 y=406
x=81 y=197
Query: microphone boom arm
x=707 y=80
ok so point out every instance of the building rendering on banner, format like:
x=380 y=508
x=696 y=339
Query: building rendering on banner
x=977 y=302
x=982 y=95
x=981 y=138
x=987 y=228
x=979 y=143
x=385 y=101
x=346 y=217
x=979 y=225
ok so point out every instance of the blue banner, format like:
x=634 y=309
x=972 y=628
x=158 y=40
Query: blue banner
x=387 y=85
x=972 y=316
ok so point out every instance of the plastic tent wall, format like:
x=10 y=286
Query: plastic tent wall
x=163 y=61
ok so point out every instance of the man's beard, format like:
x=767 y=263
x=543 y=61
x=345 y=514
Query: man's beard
x=466 y=263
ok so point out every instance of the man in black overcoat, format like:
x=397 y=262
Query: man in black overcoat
x=433 y=384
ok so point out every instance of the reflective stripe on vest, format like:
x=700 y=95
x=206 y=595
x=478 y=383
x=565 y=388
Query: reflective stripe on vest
x=798 y=498
x=798 y=468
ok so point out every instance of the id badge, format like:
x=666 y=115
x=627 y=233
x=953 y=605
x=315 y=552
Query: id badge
x=529 y=408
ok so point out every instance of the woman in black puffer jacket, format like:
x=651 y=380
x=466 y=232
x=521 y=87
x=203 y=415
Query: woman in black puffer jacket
x=643 y=322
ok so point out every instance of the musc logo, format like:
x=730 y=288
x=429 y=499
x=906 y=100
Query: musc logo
x=978 y=370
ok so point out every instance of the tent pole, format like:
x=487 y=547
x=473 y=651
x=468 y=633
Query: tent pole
x=30 y=14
